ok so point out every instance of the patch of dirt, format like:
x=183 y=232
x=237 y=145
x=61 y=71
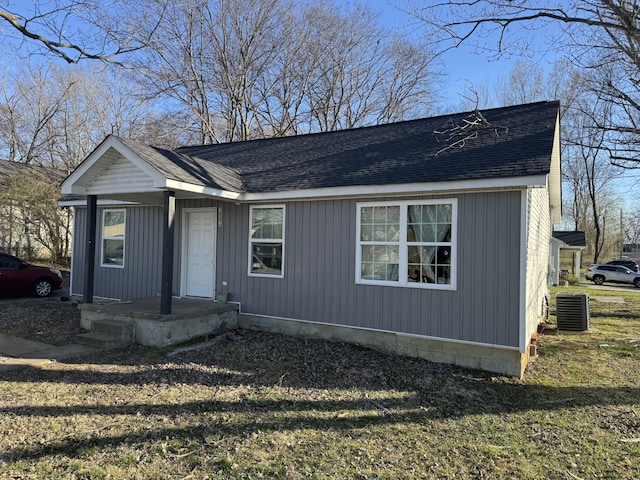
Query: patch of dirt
x=48 y=320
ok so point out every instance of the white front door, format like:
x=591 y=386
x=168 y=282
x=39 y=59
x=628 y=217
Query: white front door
x=200 y=255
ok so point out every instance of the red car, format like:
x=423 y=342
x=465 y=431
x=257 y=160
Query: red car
x=18 y=275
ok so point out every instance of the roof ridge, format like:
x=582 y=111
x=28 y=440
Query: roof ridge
x=443 y=116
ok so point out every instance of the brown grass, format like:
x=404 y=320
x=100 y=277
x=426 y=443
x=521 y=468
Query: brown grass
x=258 y=405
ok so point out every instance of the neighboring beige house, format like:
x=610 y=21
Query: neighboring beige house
x=22 y=232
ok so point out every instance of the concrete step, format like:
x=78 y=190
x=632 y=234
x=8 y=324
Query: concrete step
x=102 y=340
x=117 y=328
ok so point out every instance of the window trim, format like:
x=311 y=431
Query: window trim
x=271 y=240
x=103 y=237
x=403 y=244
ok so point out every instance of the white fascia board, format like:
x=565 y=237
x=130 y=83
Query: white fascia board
x=399 y=189
x=83 y=203
x=70 y=184
x=363 y=191
x=177 y=185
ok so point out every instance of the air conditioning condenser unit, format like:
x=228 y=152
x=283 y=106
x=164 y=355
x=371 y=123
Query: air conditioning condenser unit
x=572 y=311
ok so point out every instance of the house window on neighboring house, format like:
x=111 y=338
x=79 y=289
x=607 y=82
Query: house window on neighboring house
x=408 y=243
x=266 y=242
x=113 y=236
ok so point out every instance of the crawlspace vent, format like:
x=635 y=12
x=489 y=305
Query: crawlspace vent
x=572 y=311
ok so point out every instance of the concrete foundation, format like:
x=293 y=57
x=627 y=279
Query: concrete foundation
x=197 y=318
x=504 y=361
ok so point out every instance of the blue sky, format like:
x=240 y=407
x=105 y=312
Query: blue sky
x=464 y=68
x=462 y=65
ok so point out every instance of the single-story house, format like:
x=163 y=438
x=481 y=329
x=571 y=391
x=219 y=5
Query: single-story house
x=21 y=230
x=573 y=242
x=428 y=238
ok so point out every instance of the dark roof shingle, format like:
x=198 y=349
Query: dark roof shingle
x=572 y=238
x=8 y=168
x=516 y=141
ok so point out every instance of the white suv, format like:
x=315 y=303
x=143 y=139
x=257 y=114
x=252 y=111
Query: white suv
x=612 y=273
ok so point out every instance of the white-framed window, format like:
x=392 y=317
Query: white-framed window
x=407 y=243
x=266 y=241
x=113 y=236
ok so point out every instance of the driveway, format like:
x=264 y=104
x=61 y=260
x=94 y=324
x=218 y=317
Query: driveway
x=610 y=286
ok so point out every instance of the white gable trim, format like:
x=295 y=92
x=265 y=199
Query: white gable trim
x=76 y=183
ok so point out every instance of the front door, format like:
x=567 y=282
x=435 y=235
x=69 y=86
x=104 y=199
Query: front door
x=200 y=252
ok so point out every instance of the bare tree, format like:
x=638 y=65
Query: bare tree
x=28 y=106
x=55 y=116
x=211 y=56
x=256 y=68
x=601 y=36
x=74 y=30
x=526 y=84
x=589 y=172
x=361 y=73
x=632 y=228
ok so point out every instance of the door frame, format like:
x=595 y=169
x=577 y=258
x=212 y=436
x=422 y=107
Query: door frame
x=185 y=243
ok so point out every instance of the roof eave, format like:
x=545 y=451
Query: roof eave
x=177 y=185
x=406 y=189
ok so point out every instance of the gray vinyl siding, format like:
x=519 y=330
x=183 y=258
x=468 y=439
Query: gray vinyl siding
x=319 y=269
x=141 y=275
x=319 y=283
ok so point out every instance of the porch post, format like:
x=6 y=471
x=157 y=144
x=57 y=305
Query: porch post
x=90 y=250
x=167 y=252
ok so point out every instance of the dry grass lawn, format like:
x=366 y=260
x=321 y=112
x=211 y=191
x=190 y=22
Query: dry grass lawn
x=257 y=405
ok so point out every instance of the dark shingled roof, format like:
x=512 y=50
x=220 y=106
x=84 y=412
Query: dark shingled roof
x=507 y=142
x=575 y=238
x=8 y=168
x=181 y=167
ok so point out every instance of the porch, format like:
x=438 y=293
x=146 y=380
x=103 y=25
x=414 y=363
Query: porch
x=138 y=321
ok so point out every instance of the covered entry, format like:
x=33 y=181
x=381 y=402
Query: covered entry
x=128 y=174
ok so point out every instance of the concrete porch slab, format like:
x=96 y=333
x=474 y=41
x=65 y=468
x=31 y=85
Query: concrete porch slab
x=190 y=318
x=149 y=308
